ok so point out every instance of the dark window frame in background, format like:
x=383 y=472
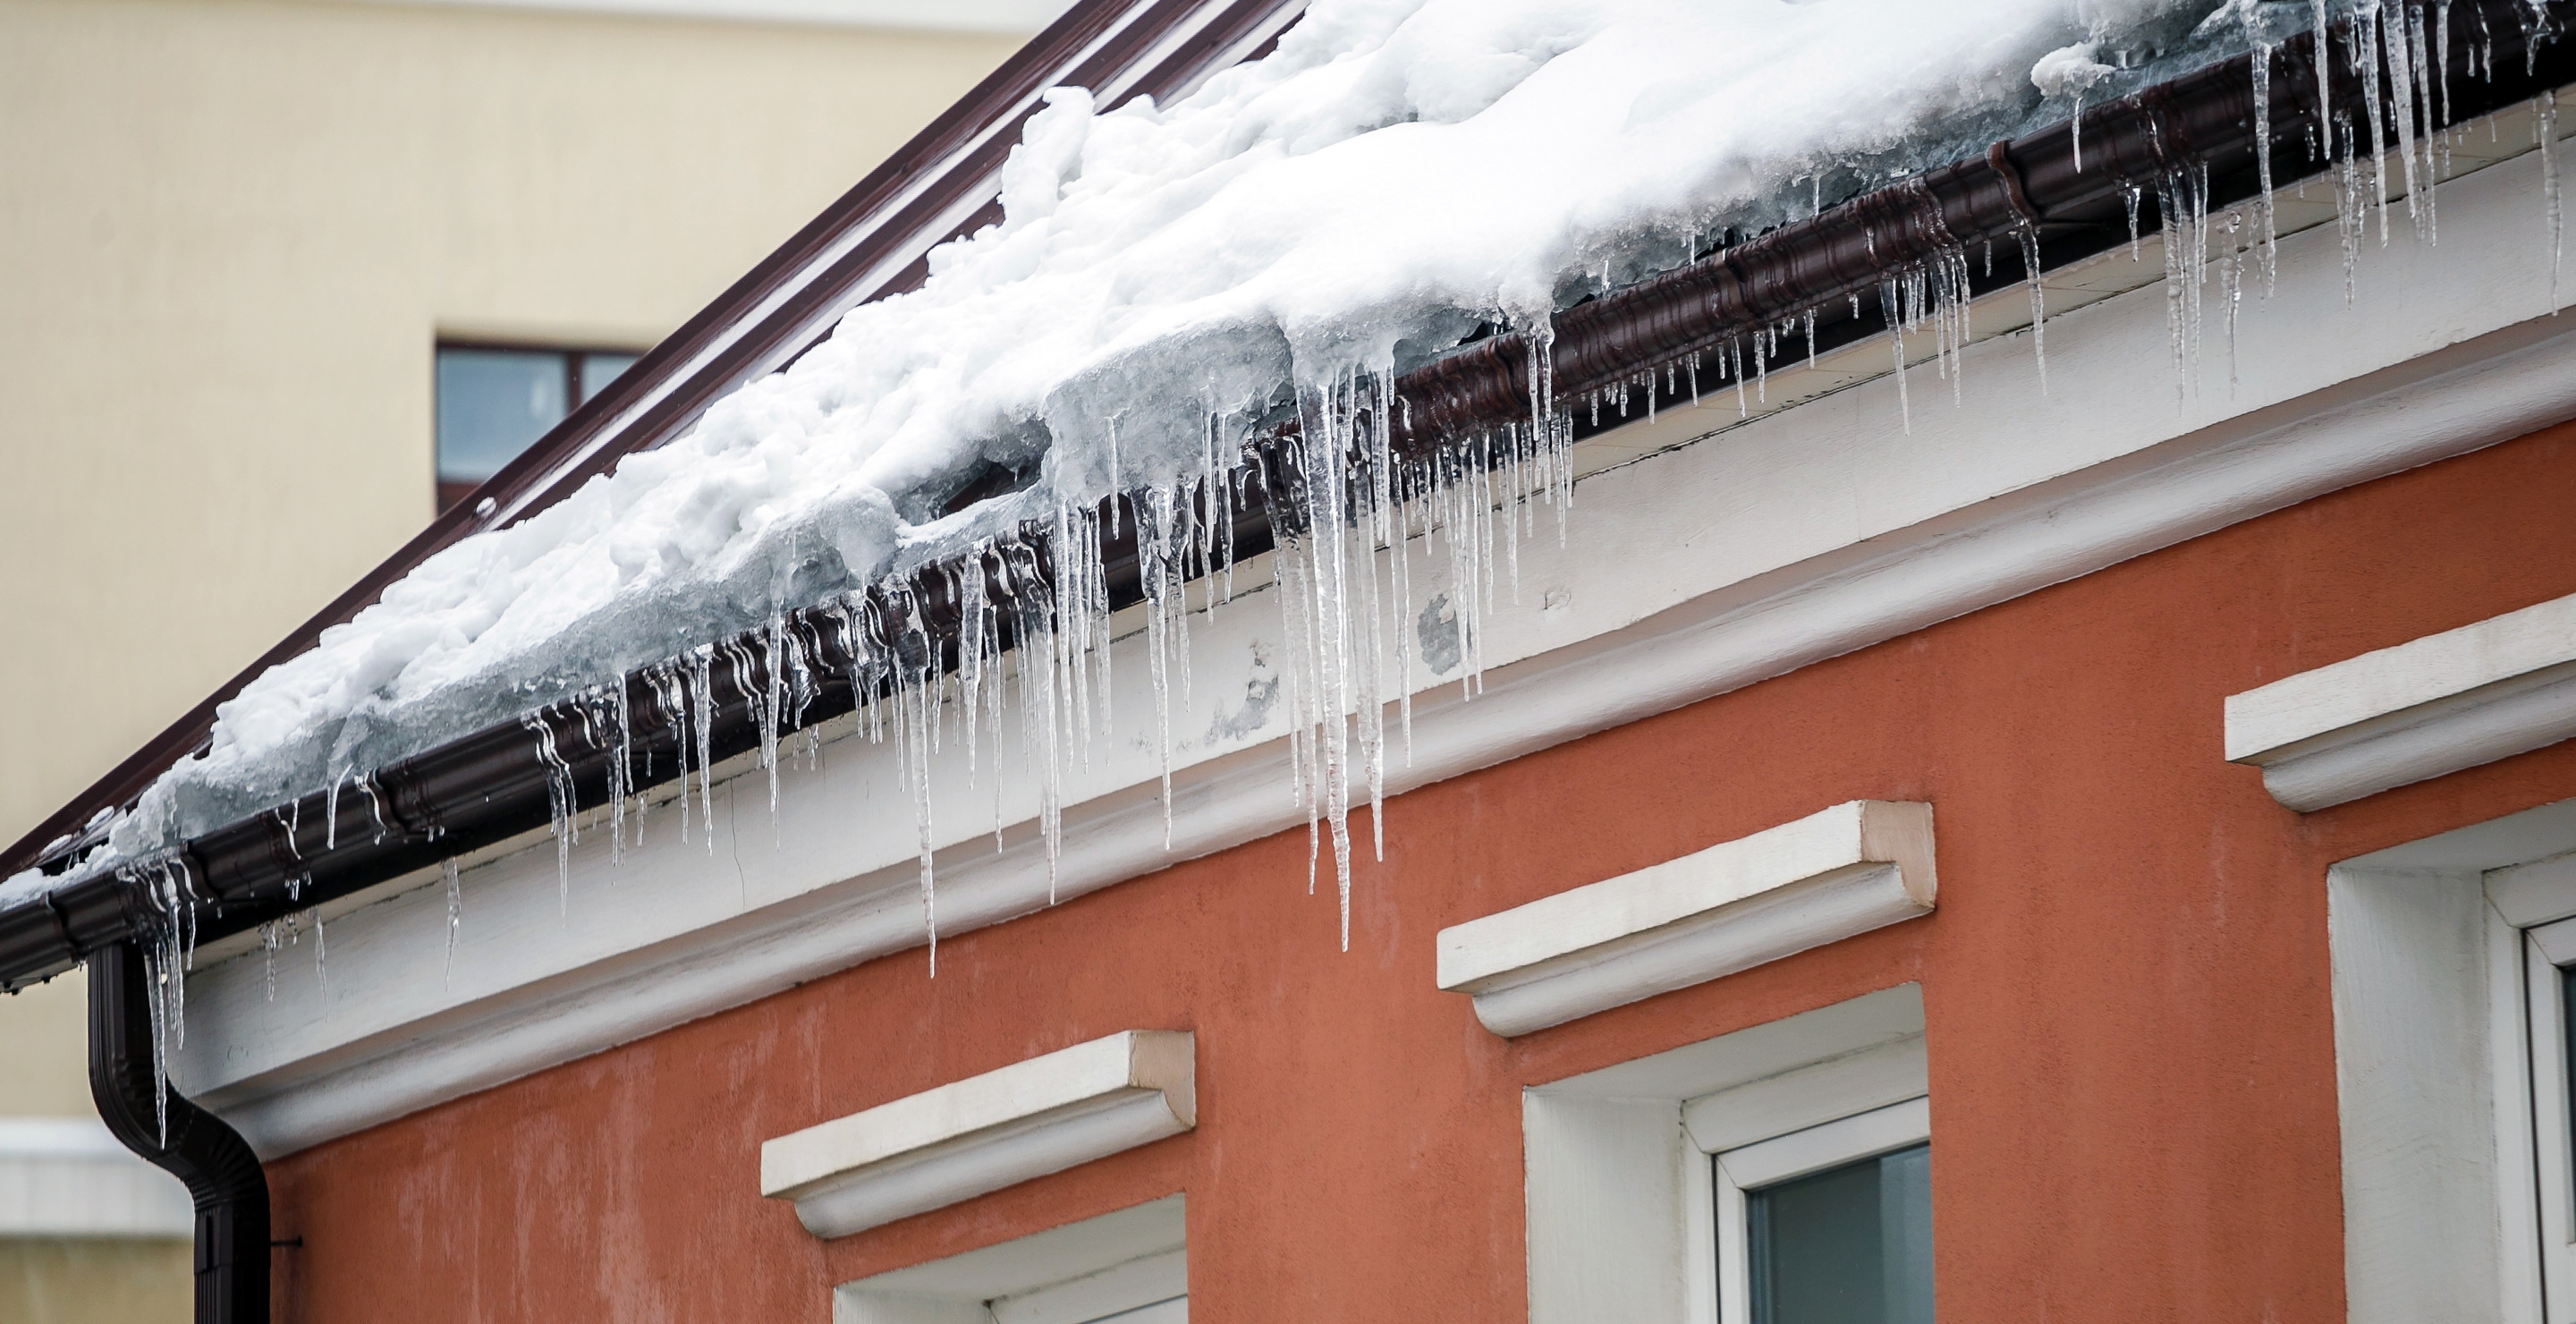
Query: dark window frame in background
x=476 y=427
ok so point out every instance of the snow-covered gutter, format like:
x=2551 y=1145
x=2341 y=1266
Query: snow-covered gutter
x=870 y=243
x=1988 y=221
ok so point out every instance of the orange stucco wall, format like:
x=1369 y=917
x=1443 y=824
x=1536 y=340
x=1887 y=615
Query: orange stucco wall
x=2125 y=985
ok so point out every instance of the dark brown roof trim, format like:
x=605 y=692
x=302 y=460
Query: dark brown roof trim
x=496 y=783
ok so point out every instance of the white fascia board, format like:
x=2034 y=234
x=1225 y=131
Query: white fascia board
x=1846 y=870
x=961 y=1140
x=68 y=1177
x=2420 y=709
x=1715 y=556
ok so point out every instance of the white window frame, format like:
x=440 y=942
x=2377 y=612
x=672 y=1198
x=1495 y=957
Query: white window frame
x=2450 y=1073
x=2547 y=948
x=1637 y=1172
x=1738 y=1172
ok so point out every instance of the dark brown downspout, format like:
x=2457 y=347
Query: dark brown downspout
x=223 y=1176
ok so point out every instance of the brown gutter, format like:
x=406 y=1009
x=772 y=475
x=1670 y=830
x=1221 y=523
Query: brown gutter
x=494 y=784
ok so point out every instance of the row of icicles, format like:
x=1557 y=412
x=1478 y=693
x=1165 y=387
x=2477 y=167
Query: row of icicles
x=1350 y=515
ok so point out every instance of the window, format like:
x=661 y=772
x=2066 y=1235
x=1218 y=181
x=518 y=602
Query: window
x=2451 y=983
x=495 y=400
x=2550 y=990
x=1777 y=1175
x=1812 y=1234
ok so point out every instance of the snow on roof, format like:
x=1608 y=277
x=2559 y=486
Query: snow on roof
x=1165 y=280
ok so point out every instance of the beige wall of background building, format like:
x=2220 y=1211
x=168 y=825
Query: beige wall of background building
x=231 y=232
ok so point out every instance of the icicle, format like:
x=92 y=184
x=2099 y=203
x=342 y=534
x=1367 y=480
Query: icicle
x=2365 y=66
x=2545 y=125
x=2396 y=43
x=2262 y=67
x=2029 y=236
x=375 y=805
x=2352 y=218
x=2231 y=289
x=2182 y=221
x=559 y=805
x=671 y=695
x=702 y=705
x=1894 y=313
x=772 y=698
x=270 y=934
x=621 y=779
x=2442 y=57
x=455 y=915
x=2324 y=63
x=2420 y=77
x=916 y=698
x=321 y=960
x=1155 y=519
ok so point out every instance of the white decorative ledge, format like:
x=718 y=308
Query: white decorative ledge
x=2423 y=708
x=1849 y=869
x=986 y=1132
x=67 y=1177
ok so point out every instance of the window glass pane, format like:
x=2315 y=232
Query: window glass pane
x=2567 y=1028
x=491 y=404
x=1850 y=1245
x=598 y=370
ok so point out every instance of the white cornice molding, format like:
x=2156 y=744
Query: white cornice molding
x=1692 y=571
x=2413 y=711
x=929 y=1150
x=1842 y=871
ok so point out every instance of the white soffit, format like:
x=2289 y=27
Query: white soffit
x=1025 y=1120
x=1858 y=866
x=1088 y=1270
x=1012 y=17
x=1755 y=1111
x=2420 y=709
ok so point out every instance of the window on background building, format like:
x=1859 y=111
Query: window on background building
x=494 y=401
